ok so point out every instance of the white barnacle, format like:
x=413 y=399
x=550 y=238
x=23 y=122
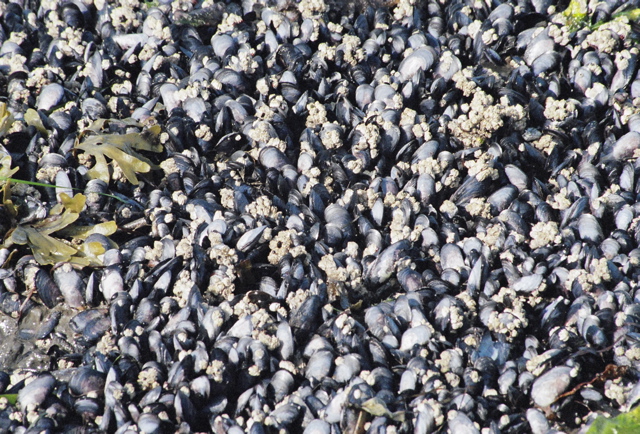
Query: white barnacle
x=599 y=271
x=456 y=315
x=153 y=254
x=481 y=167
x=448 y=208
x=408 y=117
x=489 y=36
x=215 y=370
x=334 y=273
x=182 y=287
x=107 y=344
x=429 y=166
x=478 y=206
x=369 y=137
x=317 y=114
x=229 y=22
x=614 y=390
x=605 y=38
x=484 y=116
x=547 y=143
x=558 y=109
x=468 y=301
x=147 y=379
x=356 y=166
x=226 y=198
x=263 y=206
x=288 y=366
x=221 y=284
x=123 y=88
x=560 y=34
x=223 y=254
x=452 y=379
x=461 y=79
x=353 y=52
x=326 y=51
x=124 y=17
x=331 y=139
x=280 y=245
x=311 y=8
x=560 y=201
x=543 y=234
x=403 y=9
x=262 y=86
x=295 y=299
x=203 y=131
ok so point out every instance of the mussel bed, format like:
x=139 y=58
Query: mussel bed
x=320 y=217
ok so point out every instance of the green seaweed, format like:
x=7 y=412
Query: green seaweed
x=48 y=250
x=12 y=398
x=622 y=423
x=150 y=4
x=121 y=150
x=6 y=119
x=576 y=14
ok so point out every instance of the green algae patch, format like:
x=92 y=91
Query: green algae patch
x=576 y=14
x=623 y=423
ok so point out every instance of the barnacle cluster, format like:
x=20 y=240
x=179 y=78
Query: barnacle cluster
x=481 y=117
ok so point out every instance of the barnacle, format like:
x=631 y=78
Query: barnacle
x=48 y=250
x=483 y=116
x=120 y=148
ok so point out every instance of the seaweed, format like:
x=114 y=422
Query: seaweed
x=6 y=172
x=48 y=250
x=577 y=15
x=623 y=423
x=11 y=398
x=121 y=150
x=6 y=119
x=70 y=241
x=377 y=407
x=32 y=118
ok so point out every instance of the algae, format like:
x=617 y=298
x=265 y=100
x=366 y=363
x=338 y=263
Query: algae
x=121 y=150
